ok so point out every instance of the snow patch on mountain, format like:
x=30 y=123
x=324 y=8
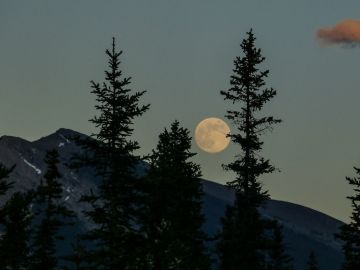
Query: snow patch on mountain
x=36 y=169
x=63 y=137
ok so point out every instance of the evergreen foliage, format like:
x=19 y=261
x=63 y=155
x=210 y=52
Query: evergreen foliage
x=248 y=89
x=350 y=233
x=114 y=206
x=14 y=225
x=312 y=262
x=5 y=185
x=173 y=218
x=16 y=219
x=242 y=241
x=51 y=216
x=78 y=256
x=279 y=260
x=243 y=238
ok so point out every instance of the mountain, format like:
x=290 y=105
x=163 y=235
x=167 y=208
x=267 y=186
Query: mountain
x=304 y=229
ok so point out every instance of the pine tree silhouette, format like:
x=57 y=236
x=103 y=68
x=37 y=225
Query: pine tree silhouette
x=14 y=225
x=312 y=262
x=16 y=219
x=350 y=233
x=173 y=219
x=279 y=260
x=243 y=238
x=78 y=256
x=114 y=206
x=5 y=185
x=51 y=215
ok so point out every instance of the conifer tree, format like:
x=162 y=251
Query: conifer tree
x=14 y=225
x=77 y=258
x=279 y=260
x=14 y=245
x=350 y=233
x=312 y=262
x=114 y=206
x=5 y=185
x=51 y=216
x=173 y=220
x=243 y=238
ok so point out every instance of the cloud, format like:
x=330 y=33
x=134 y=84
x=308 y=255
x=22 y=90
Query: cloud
x=346 y=33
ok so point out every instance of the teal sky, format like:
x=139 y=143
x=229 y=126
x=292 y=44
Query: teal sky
x=182 y=53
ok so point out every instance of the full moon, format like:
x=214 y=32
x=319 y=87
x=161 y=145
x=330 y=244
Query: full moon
x=210 y=135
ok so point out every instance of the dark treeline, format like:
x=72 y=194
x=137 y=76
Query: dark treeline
x=154 y=221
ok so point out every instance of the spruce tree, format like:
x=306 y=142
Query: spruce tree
x=14 y=225
x=77 y=258
x=243 y=239
x=51 y=215
x=5 y=185
x=350 y=233
x=16 y=218
x=114 y=206
x=173 y=219
x=278 y=258
x=312 y=262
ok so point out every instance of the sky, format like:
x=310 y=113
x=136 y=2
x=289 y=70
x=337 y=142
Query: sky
x=181 y=53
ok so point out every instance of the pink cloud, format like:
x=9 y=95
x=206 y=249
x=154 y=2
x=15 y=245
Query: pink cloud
x=346 y=32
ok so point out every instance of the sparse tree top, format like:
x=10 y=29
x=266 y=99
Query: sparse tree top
x=248 y=94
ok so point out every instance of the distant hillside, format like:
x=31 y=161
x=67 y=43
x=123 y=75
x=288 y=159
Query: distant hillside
x=305 y=229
